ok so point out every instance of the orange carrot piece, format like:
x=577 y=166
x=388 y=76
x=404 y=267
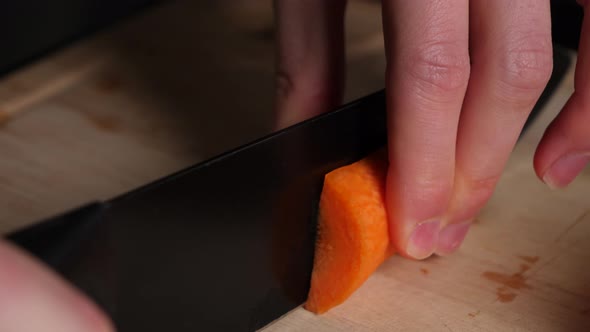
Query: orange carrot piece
x=353 y=235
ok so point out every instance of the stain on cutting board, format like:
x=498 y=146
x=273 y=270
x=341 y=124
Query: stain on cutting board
x=474 y=314
x=4 y=116
x=504 y=295
x=104 y=122
x=529 y=259
x=511 y=282
x=515 y=281
x=109 y=84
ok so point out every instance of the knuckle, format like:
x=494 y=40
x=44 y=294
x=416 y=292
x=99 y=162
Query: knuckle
x=471 y=194
x=283 y=84
x=424 y=189
x=442 y=66
x=481 y=189
x=312 y=88
x=527 y=64
x=433 y=193
x=485 y=186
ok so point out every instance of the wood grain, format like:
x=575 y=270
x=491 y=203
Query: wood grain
x=188 y=80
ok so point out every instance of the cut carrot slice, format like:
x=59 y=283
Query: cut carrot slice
x=353 y=234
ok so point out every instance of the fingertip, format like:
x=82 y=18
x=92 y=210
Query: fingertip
x=565 y=169
x=423 y=240
x=552 y=143
x=92 y=316
x=451 y=238
x=538 y=161
x=413 y=212
x=564 y=150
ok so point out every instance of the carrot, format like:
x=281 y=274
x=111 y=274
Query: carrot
x=353 y=236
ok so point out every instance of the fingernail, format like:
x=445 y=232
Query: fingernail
x=423 y=240
x=451 y=237
x=565 y=170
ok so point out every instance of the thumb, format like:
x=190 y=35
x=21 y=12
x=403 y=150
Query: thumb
x=33 y=298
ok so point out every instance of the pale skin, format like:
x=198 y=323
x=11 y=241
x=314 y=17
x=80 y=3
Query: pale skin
x=34 y=298
x=462 y=77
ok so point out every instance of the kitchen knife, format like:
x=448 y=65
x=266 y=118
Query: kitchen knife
x=225 y=245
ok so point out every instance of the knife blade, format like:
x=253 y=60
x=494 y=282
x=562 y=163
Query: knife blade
x=225 y=245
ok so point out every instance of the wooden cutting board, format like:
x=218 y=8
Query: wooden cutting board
x=187 y=80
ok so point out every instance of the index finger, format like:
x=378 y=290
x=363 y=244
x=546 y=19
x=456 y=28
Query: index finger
x=427 y=76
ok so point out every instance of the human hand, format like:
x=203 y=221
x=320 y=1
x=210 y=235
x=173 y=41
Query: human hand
x=34 y=299
x=462 y=77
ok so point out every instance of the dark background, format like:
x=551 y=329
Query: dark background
x=29 y=29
